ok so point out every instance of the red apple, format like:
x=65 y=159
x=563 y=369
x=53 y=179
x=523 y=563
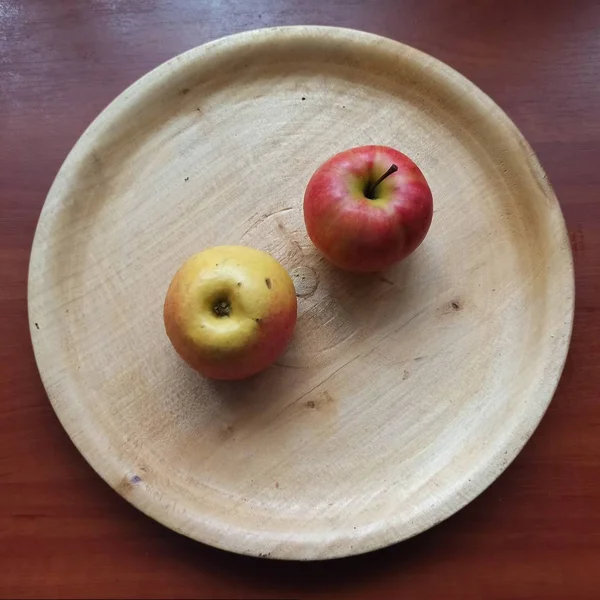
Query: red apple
x=367 y=208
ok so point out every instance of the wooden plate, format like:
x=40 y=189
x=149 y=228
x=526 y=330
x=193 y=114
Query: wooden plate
x=402 y=396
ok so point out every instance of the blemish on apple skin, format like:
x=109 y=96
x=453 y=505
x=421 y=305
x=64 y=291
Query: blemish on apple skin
x=268 y=282
x=310 y=404
x=239 y=284
x=455 y=305
x=135 y=479
x=187 y=179
x=303 y=97
x=257 y=320
x=37 y=326
x=406 y=375
x=185 y=91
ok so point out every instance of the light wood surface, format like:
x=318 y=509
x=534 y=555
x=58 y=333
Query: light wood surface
x=402 y=395
x=66 y=534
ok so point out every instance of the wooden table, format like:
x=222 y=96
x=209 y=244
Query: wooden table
x=63 y=533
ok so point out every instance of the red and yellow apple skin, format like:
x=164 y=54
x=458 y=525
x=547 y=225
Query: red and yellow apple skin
x=364 y=234
x=230 y=311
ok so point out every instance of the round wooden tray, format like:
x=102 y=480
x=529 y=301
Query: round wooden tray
x=403 y=394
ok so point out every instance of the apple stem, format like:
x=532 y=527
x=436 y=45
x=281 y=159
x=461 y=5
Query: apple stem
x=371 y=187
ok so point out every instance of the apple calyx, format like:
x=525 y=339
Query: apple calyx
x=222 y=308
x=370 y=188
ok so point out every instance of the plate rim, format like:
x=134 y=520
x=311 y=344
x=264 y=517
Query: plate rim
x=361 y=543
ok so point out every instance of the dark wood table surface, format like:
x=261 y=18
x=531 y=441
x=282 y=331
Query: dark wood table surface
x=535 y=533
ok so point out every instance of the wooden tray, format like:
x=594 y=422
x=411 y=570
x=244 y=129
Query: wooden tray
x=402 y=396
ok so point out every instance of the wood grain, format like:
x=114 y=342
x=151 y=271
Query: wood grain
x=64 y=533
x=402 y=395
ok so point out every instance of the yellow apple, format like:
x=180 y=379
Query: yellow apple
x=230 y=311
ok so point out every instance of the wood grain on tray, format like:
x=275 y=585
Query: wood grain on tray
x=67 y=534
